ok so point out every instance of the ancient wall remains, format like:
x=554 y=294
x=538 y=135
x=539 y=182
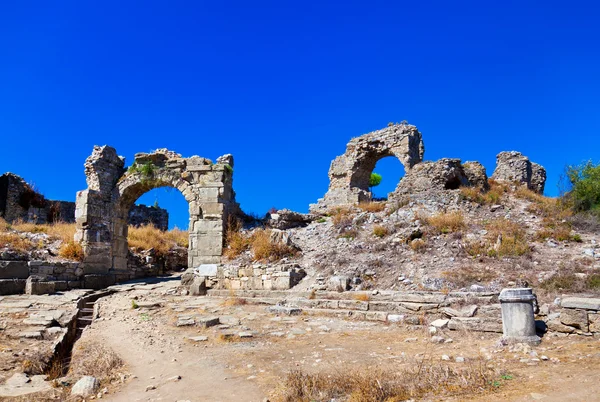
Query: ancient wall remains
x=349 y=173
x=514 y=167
x=102 y=210
x=20 y=202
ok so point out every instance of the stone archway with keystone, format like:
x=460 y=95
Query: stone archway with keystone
x=102 y=209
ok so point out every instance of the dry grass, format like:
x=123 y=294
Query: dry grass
x=380 y=231
x=59 y=230
x=362 y=297
x=4 y=226
x=148 y=236
x=341 y=217
x=71 y=250
x=513 y=238
x=447 y=222
x=468 y=275
x=95 y=359
x=264 y=249
x=236 y=241
x=370 y=384
x=259 y=242
x=372 y=206
x=418 y=245
x=505 y=238
x=234 y=301
x=490 y=197
x=15 y=242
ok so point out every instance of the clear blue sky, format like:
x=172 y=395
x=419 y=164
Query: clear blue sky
x=284 y=85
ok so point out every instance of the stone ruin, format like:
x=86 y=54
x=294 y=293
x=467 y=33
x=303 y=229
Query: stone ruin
x=19 y=201
x=349 y=173
x=102 y=209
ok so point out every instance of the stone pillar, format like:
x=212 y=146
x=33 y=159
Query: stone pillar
x=518 y=321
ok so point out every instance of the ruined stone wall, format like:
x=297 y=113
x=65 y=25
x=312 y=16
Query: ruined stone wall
x=514 y=167
x=142 y=215
x=349 y=173
x=102 y=210
x=18 y=201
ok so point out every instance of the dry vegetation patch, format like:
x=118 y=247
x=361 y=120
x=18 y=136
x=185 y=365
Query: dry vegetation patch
x=369 y=384
x=447 y=222
x=146 y=237
x=505 y=238
x=372 y=206
x=260 y=242
x=485 y=197
x=95 y=359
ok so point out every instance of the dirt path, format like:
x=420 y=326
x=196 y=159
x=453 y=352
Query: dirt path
x=156 y=352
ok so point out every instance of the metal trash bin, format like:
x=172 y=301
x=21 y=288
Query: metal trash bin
x=518 y=320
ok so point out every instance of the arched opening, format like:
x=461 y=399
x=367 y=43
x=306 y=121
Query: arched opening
x=157 y=244
x=391 y=171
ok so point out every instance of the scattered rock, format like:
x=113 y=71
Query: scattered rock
x=86 y=386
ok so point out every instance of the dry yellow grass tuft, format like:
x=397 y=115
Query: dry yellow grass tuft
x=447 y=222
x=505 y=238
x=148 y=236
x=418 y=245
x=492 y=196
x=95 y=359
x=259 y=242
x=372 y=206
x=263 y=248
x=467 y=275
x=71 y=250
x=380 y=231
x=362 y=297
x=368 y=384
x=234 y=301
x=341 y=216
x=15 y=242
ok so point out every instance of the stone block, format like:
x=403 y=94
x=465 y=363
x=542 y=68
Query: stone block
x=14 y=270
x=207 y=270
x=476 y=324
x=12 y=286
x=98 y=281
x=35 y=286
x=581 y=303
x=575 y=318
x=353 y=305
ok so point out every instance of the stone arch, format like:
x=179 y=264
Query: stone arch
x=349 y=173
x=102 y=209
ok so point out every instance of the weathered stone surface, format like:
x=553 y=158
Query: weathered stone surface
x=207 y=270
x=476 y=324
x=14 y=270
x=575 y=318
x=37 y=286
x=286 y=219
x=102 y=210
x=86 y=386
x=21 y=385
x=207 y=322
x=476 y=174
x=284 y=310
x=445 y=174
x=349 y=173
x=468 y=311
x=581 y=302
x=12 y=286
x=338 y=283
x=514 y=167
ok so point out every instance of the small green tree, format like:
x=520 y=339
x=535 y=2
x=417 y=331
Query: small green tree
x=584 y=180
x=374 y=181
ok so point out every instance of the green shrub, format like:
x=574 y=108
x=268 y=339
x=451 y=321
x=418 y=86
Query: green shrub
x=585 y=187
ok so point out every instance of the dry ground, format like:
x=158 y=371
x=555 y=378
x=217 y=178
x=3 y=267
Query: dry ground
x=155 y=352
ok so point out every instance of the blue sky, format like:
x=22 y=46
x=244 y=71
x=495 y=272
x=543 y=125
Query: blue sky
x=284 y=85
